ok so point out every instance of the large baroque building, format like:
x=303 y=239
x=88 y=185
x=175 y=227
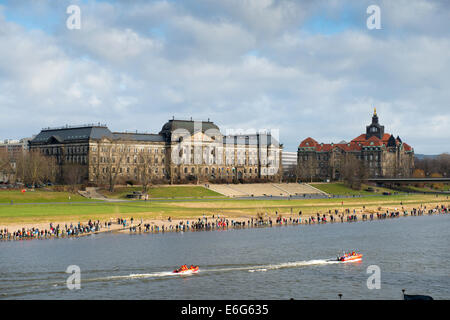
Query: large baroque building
x=382 y=154
x=183 y=151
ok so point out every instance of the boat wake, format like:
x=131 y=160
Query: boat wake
x=295 y=264
x=257 y=268
x=144 y=275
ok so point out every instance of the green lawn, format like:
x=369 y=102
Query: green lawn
x=38 y=196
x=32 y=213
x=166 y=192
x=340 y=189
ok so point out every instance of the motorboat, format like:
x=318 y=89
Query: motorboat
x=351 y=256
x=186 y=270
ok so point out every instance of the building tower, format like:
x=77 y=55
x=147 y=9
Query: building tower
x=374 y=129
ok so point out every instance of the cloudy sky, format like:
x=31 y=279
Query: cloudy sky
x=307 y=68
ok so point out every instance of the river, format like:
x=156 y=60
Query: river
x=279 y=262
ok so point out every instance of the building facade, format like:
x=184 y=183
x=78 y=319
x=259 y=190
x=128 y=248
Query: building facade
x=289 y=162
x=183 y=151
x=10 y=152
x=14 y=148
x=381 y=154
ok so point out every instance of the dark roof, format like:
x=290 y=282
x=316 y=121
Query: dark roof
x=189 y=125
x=72 y=134
x=85 y=133
x=139 y=136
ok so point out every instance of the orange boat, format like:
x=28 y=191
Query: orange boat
x=351 y=256
x=185 y=270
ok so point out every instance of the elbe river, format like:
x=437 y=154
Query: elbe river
x=280 y=262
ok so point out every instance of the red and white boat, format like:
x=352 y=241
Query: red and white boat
x=186 y=270
x=351 y=256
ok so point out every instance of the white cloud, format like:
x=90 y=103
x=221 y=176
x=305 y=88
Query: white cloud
x=243 y=64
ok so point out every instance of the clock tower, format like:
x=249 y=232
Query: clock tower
x=374 y=129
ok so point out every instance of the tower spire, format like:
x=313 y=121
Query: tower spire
x=375 y=111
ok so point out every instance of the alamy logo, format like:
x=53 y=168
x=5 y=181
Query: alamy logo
x=374 y=280
x=74 y=280
x=374 y=20
x=74 y=20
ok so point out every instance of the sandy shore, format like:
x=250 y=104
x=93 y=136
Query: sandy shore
x=167 y=226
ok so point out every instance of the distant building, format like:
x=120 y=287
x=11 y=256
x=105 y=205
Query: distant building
x=289 y=162
x=14 y=148
x=183 y=151
x=382 y=154
x=10 y=152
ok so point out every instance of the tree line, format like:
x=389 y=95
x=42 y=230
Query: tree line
x=30 y=168
x=439 y=165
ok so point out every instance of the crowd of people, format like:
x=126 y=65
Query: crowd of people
x=213 y=223
x=52 y=231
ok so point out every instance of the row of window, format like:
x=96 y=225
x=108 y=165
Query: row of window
x=128 y=160
x=213 y=170
x=129 y=150
x=185 y=170
x=323 y=157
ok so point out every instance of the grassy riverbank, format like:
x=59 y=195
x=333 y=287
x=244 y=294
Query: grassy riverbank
x=39 y=213
x=38 y=196
x=169 y=192
x=339 y=188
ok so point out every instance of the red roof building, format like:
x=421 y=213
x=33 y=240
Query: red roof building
x=381 y=153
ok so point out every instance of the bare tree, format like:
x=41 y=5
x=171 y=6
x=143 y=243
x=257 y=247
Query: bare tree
x=439 y=164
x=6 y=167
x=144 y=169
x=34 y=167
x=109 y=157
x=73 y=174
x=354 y=171
x=115 y=156
x=306 y=169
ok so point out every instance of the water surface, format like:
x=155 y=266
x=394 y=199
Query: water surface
x=263 y=263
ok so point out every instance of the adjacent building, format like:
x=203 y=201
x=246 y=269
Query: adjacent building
x=382 y=154
x=10 y=151
x=289 y=163
x=183 y=151
x=14 y=148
